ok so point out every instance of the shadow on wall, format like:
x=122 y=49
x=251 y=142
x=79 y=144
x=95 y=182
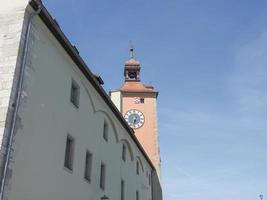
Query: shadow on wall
x=156 y=186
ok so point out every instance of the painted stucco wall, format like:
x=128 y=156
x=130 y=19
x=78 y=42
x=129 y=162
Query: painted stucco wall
x=148 y=133
x=47 y=116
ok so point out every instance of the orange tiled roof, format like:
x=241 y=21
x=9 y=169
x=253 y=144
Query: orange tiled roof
x=134 y=86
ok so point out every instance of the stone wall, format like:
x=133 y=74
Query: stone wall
x=12 y=34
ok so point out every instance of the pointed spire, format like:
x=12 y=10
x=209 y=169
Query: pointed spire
x=132 y=67
x=132 y=61
x=131 y=50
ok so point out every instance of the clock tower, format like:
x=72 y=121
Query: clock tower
x=138 y=104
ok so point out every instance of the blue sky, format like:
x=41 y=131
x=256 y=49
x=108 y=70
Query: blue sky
x=208 y=60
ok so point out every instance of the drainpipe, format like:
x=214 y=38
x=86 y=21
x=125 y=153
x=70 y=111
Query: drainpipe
x=17 y=100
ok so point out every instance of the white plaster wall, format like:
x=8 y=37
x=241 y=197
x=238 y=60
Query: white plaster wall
x=7 y=6
x=116 y=99
x=47 y=116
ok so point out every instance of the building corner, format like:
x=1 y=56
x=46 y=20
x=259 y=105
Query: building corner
x=13 y=28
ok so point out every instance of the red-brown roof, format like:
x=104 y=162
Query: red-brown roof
x=136 y=86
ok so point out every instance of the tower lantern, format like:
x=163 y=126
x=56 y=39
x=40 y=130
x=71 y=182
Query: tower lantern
x=132 y=68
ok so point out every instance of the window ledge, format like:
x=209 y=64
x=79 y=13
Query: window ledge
x=68 y=170
x=87 y=180
x=74 y=106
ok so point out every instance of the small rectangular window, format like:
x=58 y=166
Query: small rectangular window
x=137 y=167
x=137 y=195
x=123 y=152
x=102 y=176
x=88 y=166
x=74 y=94
x=69 y=153
x=105 y=131
x=142 y=100
x=149 y=178
x=122 y=189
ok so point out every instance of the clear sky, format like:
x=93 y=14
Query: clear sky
x=208 y=60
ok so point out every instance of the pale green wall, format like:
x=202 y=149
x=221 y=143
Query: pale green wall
x=47 y=116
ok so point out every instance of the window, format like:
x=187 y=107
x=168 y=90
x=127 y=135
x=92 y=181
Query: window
x=105 y=131
x=142 y=100
x=122 y=189
x=137 y=195
x=74 y=94
x=137 y=167
x=69 y=153
x=132 y=75
x=88 y=166
x=149 y=178
x=123 y=152
x=102 y=176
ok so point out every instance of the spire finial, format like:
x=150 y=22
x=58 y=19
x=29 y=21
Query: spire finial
x=131 y=49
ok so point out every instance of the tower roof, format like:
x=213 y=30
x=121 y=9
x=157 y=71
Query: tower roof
x=132 y=81
x=132 y=62
x=136 y=87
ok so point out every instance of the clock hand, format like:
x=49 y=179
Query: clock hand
x=134 y=119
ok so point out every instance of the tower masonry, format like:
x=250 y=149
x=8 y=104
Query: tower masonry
x=138 y=104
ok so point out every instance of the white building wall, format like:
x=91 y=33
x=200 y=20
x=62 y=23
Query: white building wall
x=47 y=116
x=12 y=6
x=116 y=99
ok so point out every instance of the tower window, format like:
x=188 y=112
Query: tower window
x=142 y=100
x=69 y=153
x=105 y=131
x=149 y=178
x=122 y=189
x=137 y=167
x=74 y=94
x=132 y=75
x=123 y=152
x=102 y=176
x=88 y=166
x=137 y=195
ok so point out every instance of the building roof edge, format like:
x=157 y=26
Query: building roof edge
x=72 y=51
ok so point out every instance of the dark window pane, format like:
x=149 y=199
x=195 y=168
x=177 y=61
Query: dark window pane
x=74 y=94
x=69 y=152
x=123 y=152
x=88 y=166
x=122 y=189
x=102 y=176
x=105 y=131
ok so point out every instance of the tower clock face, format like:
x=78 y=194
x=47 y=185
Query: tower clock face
x=134 y=118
